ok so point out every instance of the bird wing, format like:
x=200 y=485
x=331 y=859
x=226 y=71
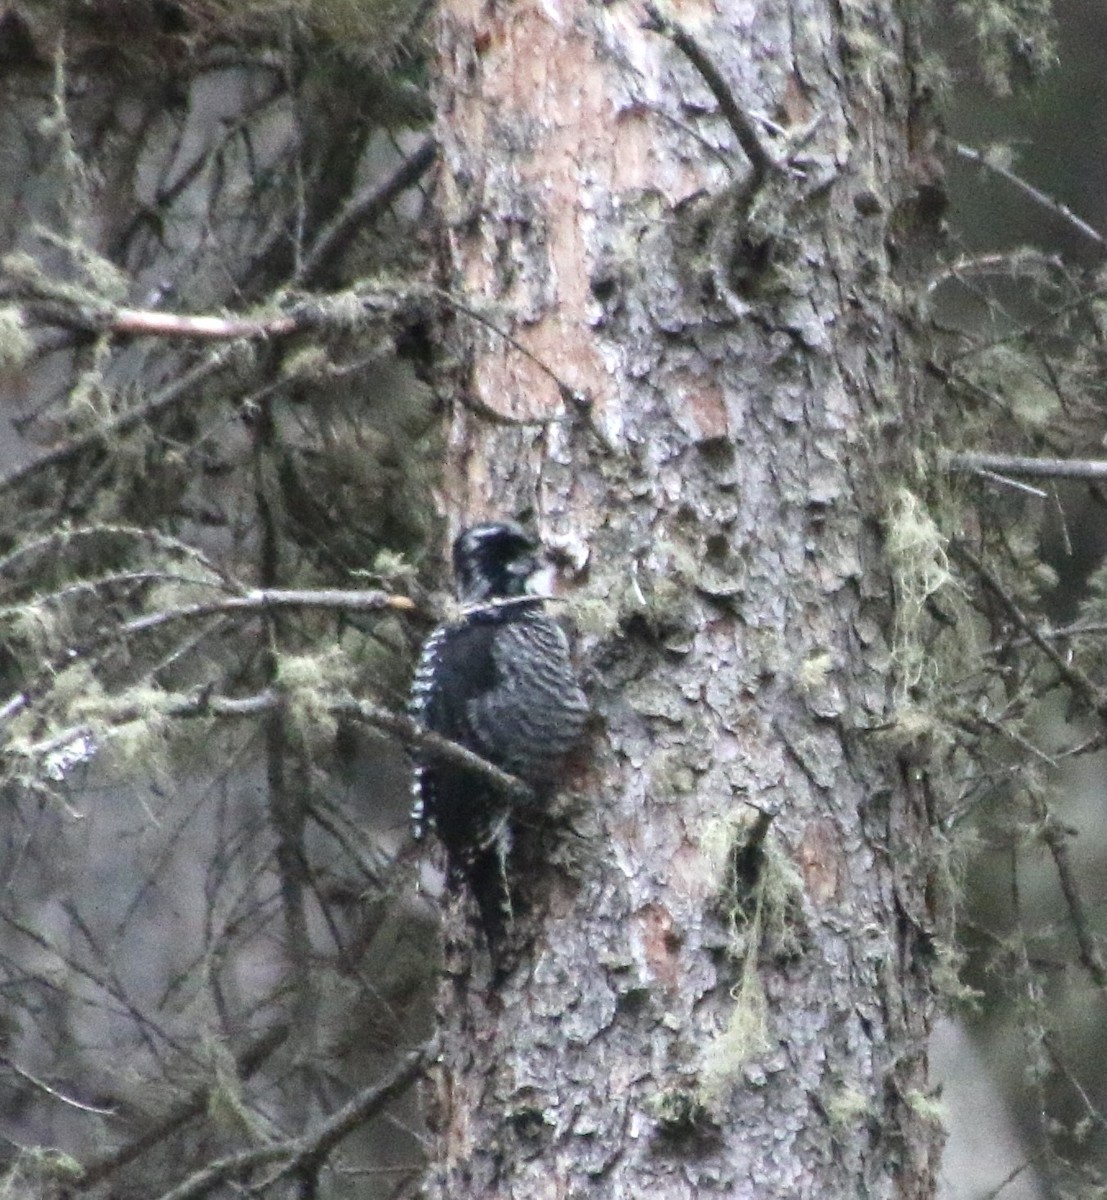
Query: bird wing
x=534 y=711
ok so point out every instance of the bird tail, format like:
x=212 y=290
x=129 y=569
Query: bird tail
x=485 y=873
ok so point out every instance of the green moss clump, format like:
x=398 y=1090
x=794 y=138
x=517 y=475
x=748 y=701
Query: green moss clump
x=916 y=550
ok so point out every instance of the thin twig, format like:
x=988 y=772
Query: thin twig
x=361 y=1108
x=761 y=162
x=57 y=540
x=1007 y=1180
x=42 y=1086
x=1006 y=729
x=1036 y=194
x=247 y=1063
x=1093 y=1113
x=1056 y=836
x=364 y=210
x=303 y=1153
x=257 y=601
x=171 y=394
x=1019 y=262
x=568 y=394
x=1082 y=686
x=262 y=600
x=151 y=322
x=204 y=704
x=1016 y=484
x=208 y=1178
x=148 y=1027
x=1061 y=633
x=1053 y=833
x=1037 y=468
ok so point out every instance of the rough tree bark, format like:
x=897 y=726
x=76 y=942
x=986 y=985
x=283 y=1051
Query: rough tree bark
x=683 y=1023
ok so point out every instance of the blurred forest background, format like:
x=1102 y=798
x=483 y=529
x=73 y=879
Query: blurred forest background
x=209 y=943
x=1012 y=1051
x=213 y=953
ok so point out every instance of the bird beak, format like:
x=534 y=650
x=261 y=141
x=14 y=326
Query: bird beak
x=542 y=582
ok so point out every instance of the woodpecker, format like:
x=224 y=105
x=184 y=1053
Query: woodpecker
x=498 y=681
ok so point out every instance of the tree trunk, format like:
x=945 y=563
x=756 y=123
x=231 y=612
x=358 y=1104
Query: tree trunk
x=711 y=1001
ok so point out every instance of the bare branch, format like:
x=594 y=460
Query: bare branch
x=262 y=600
x=304 y=1153
x=173 y=393
x=204 y=704
x=761 y=162
x=1018 y=262
x=1036 y=194
x=52 y=1092
x=1056 y=836
x=151 y=323
x=1082 y=686
x=247 y=1063
x=1038 y=468
x=360 y=1108
x=364 y=210
x=257 y=601
x=211 y=1176
x=104 y=318
x=411 y=733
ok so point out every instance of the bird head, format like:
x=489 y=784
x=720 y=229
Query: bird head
x=496 y=561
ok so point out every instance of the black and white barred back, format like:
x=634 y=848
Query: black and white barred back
x=498 y=681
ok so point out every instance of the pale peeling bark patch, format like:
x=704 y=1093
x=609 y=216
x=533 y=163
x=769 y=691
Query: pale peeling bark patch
x=534 y=89
x=820 y=859
x=661 y=943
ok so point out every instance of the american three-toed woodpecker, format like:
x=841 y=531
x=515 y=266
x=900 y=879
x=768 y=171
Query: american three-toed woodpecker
x=498 y=681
